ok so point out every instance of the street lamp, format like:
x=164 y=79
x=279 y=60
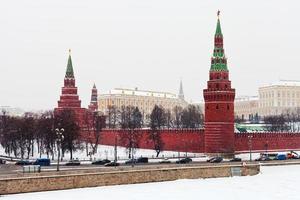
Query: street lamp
x=250 y=146
x=60 y=138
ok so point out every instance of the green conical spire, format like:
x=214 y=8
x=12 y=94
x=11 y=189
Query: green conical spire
x=219 y=61
x=218 y=29
x=69 y=72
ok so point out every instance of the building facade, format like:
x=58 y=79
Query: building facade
x=219 y=102
x=143 y=99
x=273 y=99
x=246 y=107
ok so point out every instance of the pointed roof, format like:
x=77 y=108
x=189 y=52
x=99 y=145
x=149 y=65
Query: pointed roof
x=69 y=72
x=218 y=29
x=94 y=86
x=181 y=94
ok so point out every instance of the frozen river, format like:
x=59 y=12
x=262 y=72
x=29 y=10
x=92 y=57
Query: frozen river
x=276 y=183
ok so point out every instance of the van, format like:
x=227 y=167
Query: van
x=42 y=162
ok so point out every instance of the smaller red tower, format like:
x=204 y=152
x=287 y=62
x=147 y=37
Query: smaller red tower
x=219 y=102
x=94 y=100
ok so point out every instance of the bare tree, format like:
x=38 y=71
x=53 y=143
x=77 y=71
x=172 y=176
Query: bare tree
x=177 y=110
x=192 y=117
x=66 y=119
x=158 y=120
x=131 y=119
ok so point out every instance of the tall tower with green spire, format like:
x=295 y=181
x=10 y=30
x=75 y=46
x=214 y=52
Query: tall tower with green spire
x=69 y=97
x=219 y=102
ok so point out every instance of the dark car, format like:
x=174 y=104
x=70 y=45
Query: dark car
x=184 y=161
x=142 y=160
x=101 y=162
x=215 y=160
x=131 y=161
x=73 y=163
x=42 y=162
x=263 y=159
x=23 y=162
x=112 y=164
x=2 y=161
x=235 y=160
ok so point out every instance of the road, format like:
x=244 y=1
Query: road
x=10 y=170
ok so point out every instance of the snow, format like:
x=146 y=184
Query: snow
x=276 y=183
x=104 y=151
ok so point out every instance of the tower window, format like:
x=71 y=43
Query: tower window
x=207 y=107
x=217 y=107
x=228 y=107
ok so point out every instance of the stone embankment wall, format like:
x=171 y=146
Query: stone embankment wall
x=61 y=182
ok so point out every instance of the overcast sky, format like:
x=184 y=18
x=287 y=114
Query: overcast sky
x=149 y=44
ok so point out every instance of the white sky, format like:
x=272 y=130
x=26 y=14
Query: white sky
x=141 y=43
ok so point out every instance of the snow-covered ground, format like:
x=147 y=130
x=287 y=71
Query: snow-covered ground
x=274 y=183
x=108 y=152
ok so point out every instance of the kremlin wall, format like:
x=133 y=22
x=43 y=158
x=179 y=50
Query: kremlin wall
x=217 y=137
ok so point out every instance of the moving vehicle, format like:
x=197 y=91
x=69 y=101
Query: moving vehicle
x=101 y=162
x=23 y=162
x=73 y=163
x=293 y=155
x=142 y=160
x=42 y=162
x=139 y=160
x=217 y=159
x=112 y=164
x=281 y=157
x=165 y=161
x=184 y=161
x=235 y=160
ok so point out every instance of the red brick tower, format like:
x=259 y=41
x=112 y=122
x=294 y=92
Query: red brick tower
x=69 y=98
x=94 y=99
x=219 y=102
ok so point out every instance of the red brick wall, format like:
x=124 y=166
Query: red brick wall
x=269 y=141
x=192 y=140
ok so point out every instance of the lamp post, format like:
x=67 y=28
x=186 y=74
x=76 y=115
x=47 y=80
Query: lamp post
x=60 y=138
x=250 y=146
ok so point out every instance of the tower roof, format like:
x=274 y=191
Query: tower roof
x=181 y=94
x=218 y=29
x=219 y=61
x=69 y=72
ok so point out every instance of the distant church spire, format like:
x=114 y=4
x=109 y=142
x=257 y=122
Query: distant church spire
x=181 y=94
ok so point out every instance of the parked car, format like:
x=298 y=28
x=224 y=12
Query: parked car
x=131 y=161
x=280 y=157
x=293 y=155
x=235 y=160
x=138 y=160
x=73 y=163
x=217 y=159
x=263 y=159
x=165 y=161
x=142 y=160
x=2 y=161
x=23 y=162
x=112 y=164
x=101 y=162
x=42 y=162
x=184 y=161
